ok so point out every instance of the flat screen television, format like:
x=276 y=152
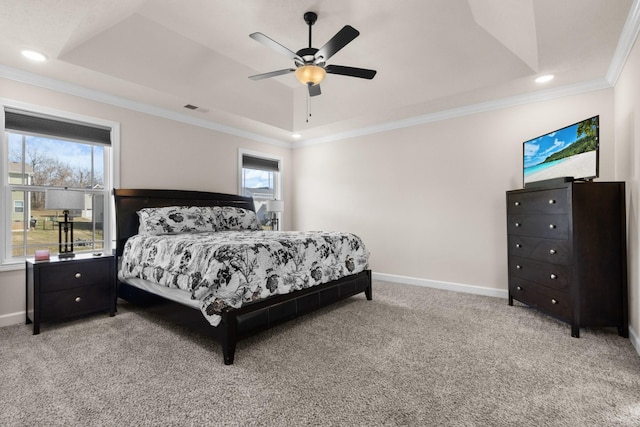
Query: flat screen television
x=570 y=152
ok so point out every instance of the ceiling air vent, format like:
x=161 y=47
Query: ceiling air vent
x=196 y=108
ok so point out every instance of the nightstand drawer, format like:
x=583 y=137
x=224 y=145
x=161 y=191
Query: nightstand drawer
x=76 y=301
x=66 y=275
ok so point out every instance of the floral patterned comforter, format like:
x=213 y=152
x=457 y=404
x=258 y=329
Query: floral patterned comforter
x=229 y=268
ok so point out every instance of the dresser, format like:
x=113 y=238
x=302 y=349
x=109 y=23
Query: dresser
x=58 y=289
x=567 y=252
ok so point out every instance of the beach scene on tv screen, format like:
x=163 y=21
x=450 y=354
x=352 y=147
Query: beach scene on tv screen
x=571 y=151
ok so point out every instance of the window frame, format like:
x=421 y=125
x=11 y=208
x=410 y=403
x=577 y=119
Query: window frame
x=111 y=177
x=278 y=190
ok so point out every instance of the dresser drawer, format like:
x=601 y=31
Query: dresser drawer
x=545 y=226
x=554 y=276
x=75 y=302
x=555 y=303
x=555 y=201
x=66 y=275
x=553 y=251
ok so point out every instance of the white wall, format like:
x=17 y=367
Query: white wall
x=154 y=153
x=429 y=201
x=627 y=108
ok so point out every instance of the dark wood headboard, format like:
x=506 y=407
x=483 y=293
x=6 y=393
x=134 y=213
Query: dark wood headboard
x=129 y=201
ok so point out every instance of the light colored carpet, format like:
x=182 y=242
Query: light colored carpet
x=413 y=356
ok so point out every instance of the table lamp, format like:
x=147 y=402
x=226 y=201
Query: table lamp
x=64 y=200
x=275 y=206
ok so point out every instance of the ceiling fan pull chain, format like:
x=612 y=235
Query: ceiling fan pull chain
x=308 y=106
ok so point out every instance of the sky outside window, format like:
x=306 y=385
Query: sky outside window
x=79 y=157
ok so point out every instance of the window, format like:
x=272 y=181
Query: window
x=44 y=151
x=260 y=179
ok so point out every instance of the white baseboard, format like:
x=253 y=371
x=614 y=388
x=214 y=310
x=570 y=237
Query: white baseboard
x=12 y=318
x=635 y=339
x=449 y=286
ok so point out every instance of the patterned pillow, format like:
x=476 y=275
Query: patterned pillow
x=232 y=218
x=176 y=219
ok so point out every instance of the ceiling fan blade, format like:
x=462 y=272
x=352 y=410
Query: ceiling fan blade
x=272 y=74
x=272 y=44
x=314 y=90
x=337 y=42
x=363 y=73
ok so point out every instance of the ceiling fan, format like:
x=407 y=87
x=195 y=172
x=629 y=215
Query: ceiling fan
x=310 y=63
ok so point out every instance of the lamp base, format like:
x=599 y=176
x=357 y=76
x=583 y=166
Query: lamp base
x=65 y=250
x=65 y=255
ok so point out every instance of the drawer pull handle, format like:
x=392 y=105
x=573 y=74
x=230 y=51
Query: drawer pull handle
x=553 y=276
x=517 y=224
x=518 y=267
x=552 y=251
x=551 y=201
x=552 y=226
x=519 y=288
x=553 y=301
x=518 y=245
x=78 y=299
x=78 y=275
x=517 y=203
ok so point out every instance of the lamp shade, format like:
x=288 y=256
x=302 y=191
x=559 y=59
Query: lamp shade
x=64 y=200
x=275 y=206
x=310 y=75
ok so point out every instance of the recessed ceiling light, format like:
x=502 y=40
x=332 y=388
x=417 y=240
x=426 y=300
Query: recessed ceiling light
x=33 y=55
x=296 y=135
x=545 y=78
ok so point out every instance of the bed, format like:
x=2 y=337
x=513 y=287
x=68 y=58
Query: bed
x=234 y=305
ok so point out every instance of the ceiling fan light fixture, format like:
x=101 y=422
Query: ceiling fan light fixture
x=310 y=75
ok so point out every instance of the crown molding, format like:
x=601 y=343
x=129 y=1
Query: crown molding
x=575 y=89
x=94 y=95
x=626 y=41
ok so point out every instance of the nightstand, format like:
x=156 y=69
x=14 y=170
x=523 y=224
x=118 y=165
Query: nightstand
x=62 y=288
